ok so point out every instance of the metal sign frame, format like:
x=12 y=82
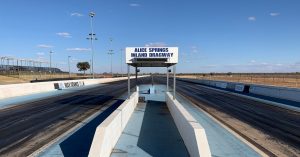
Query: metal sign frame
x=152 y=57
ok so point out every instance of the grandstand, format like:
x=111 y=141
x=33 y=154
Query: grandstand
x=5 y=68
x=11 y=65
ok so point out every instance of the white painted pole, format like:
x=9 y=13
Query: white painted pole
x=136 y=77
x=128 y=74
x=167 y=79
x=121 y=62
x=174 y=80
x=92 y=44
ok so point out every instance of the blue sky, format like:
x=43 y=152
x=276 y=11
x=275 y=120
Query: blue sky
x=212 y=35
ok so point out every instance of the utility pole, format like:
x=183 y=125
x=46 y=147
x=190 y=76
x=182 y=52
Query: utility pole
x=50 y=65
x=110 y=52
x=69 y=66
x=121 y=62
x=91 y=68
x=92 y=38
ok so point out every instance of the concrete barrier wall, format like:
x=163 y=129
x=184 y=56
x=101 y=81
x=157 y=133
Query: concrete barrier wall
x=192 y=133
x=110 y=130
x=277 y=92
x=7 y=91
x=65 y=85
x=239 y=87
x=231 y=86
x=271 y=91
x=12 y=90
x=221 y=85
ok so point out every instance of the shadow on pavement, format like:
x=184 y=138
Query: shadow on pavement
x=159 y=135
x=79 y=143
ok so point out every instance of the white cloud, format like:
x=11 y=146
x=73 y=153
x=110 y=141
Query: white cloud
x=78 y=49
x=40 y=53
x=64 y=34
x=76 y=14
x=156 y=44
x=134 y=5
x=44 y=46
x=274 y=14
x=195 y=49
x=252 y=18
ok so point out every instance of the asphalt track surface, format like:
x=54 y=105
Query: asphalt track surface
x=279 y=123
x=26 y=127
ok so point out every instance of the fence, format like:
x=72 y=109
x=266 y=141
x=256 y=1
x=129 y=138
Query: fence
x=25 y=70
x=20 y=76
x=283 y=79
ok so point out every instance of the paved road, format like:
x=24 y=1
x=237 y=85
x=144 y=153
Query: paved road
x=26 y=127
x=281 y=125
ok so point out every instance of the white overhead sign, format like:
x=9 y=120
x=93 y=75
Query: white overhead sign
x=168 y=55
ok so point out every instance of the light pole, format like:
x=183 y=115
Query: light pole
x=110 y=52
x=92 y=37
x=69 y=66
x=50 y=64
x=121 y=62
x=91 y=68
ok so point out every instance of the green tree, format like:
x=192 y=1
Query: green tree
x=83 y=66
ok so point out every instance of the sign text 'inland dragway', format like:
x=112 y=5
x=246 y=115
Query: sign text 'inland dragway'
x=152 y=53
x=170 y=53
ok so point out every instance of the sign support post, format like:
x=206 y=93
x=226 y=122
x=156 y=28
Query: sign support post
x=167 y=79
x=128 y=74
x=174 y=79
x=152 y=57
x=136 y=77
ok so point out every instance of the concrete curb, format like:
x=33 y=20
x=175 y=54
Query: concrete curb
x=192 y=133
x=109 y=131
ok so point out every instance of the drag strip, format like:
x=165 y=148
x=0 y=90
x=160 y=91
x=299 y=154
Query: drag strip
x=272 y=129
x=26 y=127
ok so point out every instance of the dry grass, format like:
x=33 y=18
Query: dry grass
x=9 y=80
x=27 y=77
x=283 y=80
